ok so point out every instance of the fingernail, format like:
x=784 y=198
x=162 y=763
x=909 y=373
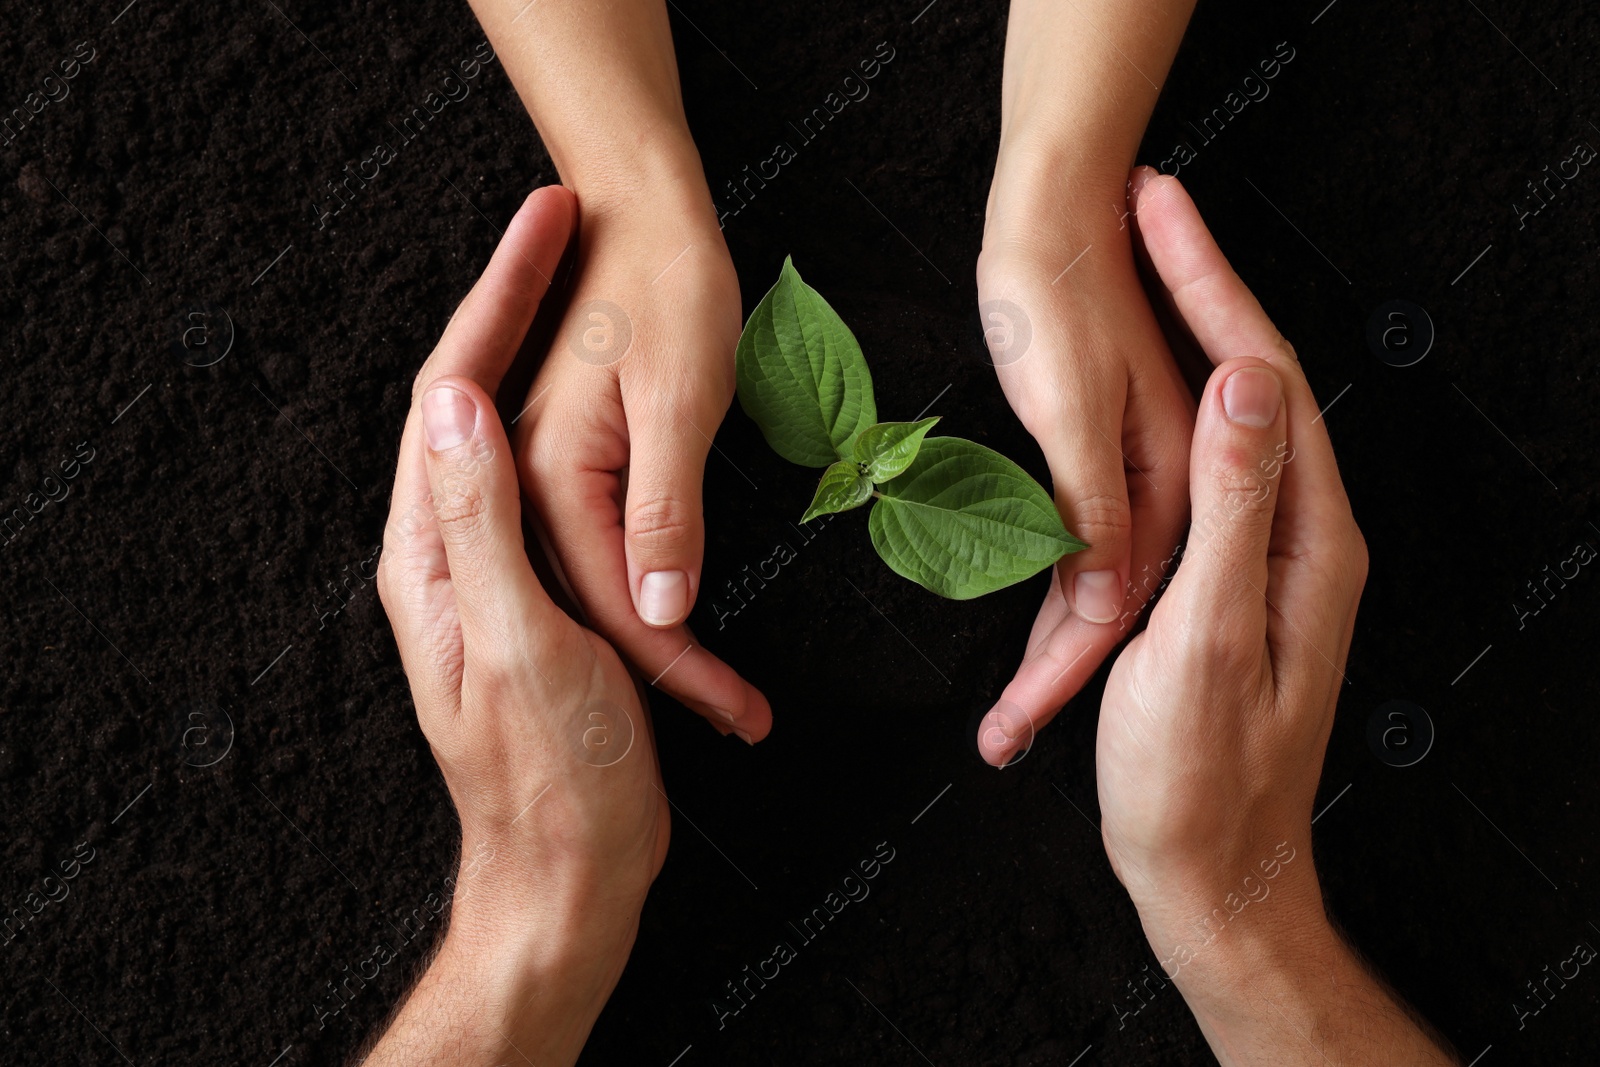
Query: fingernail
x=663 y=597
x=1097 y=595
x=448 y=416
x=1252 y=397
x=722 y=713
x=744 y=737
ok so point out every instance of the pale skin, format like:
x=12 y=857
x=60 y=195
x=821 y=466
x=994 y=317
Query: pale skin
x=1096 y=386
x=612 y=456
x=601 y=84
x=1211 y=736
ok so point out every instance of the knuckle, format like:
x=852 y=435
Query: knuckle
x=497 y=673
x=1037 y=412
x=1037 y=390
x=662 y=523
x=1240 y=487
x=1331 y=566
x=1284 y=348
x=441 y=642
x=460 y=507
x=1216 y=655
x=1102 y=519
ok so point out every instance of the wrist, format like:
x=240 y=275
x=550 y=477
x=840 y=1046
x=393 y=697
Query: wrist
x=1080 y=83
x=538 y=976
x=1279 y=985
x=654 y=169
x=1068 y=191
x=489 y=992
x=1220 y=936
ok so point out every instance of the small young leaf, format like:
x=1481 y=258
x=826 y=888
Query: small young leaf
x=843 y=487
x=801 y=375
x=888 y=448
x=964 y=521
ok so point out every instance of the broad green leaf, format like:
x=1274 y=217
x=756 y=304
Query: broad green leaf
x=887 y=449
x=963 y=521
x=801 y=375
x=843 y=487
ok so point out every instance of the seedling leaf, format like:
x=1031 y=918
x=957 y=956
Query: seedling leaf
x=888 y=448
x=963 y=521
x=801 y=375
x=843 y=487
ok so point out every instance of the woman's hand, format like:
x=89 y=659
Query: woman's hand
x=613 y=443
x=537 y=726
x=1085 y=366
x=1074 y=340
x=612 y=440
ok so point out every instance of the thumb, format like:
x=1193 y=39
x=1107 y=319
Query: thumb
x=477 y=506
x=665 y=530
x=1234 y=469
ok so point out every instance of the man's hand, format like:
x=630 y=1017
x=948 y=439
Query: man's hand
x=1216 y=717
x=537 y=726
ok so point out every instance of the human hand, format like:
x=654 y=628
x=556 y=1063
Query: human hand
x=613 y=442
x=536 y=724
x=1215 y=718
x=1084 y=364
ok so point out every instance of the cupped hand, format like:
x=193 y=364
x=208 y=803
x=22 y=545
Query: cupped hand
x=536 y=724
x=613 y=441
x=1216 y=717
x=1084 y=364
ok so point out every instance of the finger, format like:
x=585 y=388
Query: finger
x=1064 y=651
x=488 y=327
x=477 y=508
x=1217 y=308
x=1145 y=456
x=1228 y=322
x=665 y=532
x=414 y=583
x=1090 y=481
x=1314 y=533
x=583 y=507
x=1235 y=467
x=1158 y=428
x=1187 y=355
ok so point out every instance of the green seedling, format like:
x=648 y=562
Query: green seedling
x=959 y=519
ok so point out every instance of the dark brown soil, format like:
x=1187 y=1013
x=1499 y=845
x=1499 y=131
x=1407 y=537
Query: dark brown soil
x=182 y=572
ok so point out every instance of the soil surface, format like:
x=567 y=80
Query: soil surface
x=172 y=572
